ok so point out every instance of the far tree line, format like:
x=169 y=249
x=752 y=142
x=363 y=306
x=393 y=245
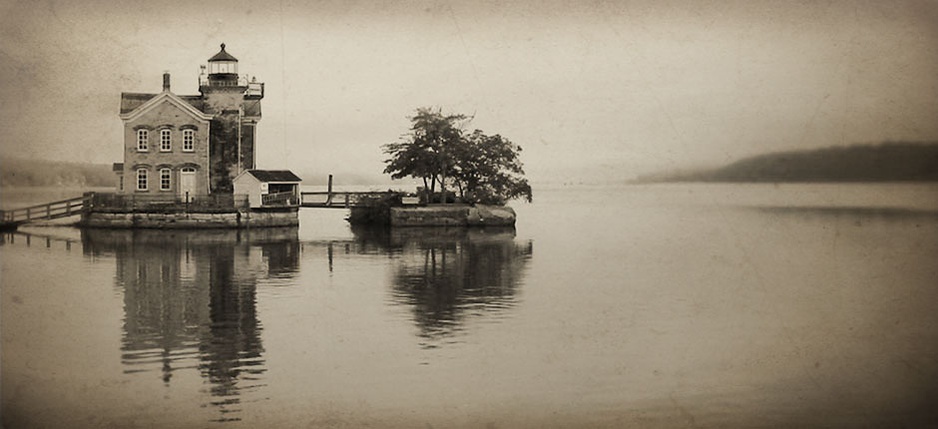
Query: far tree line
x=453 y=163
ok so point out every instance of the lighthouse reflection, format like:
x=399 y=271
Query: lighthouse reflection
x=190 y=302
x=448 y=277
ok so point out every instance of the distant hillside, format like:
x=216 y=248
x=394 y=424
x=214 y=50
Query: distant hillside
x=884 y=162
x=32 y=172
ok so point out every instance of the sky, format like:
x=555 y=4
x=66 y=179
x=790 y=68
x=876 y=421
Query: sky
x=603 y=90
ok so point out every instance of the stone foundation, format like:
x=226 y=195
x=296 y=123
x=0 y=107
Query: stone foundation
x=192 y=220
x=453 y=215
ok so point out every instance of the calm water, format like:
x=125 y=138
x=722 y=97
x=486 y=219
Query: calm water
x=632 y=306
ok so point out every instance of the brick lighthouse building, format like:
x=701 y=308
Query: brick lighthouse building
x=190 y=145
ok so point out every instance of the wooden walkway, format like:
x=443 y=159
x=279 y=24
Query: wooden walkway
x=338 y=200
x=10 y=219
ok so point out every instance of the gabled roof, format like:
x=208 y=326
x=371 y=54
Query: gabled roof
x=274 y=175
x=133 y=100
x=135 y=104
x=195 y=100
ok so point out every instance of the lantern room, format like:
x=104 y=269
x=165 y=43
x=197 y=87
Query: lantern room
x=223 y=63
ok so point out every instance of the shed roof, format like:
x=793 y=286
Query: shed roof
x=251 y=107
x=274 y=175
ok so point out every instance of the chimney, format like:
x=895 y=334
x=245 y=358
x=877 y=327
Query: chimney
x=165 y=81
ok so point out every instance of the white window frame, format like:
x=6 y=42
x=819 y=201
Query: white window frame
x=142 y=179
x=166 y=178
x=188 y=140
x=143 y=140
x=166 y=140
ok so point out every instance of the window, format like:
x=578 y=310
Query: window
x=166 y=141
x=142 y=137
x=188 y=140
x=142 y=179
x=165 y=182
x=120 y=184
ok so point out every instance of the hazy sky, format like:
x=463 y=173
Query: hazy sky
x=587 y=89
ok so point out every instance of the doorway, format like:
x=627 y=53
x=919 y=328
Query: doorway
x=187 y=184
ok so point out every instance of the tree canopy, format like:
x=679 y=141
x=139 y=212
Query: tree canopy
x=481 y=168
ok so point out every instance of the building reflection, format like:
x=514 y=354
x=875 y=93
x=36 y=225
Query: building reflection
x=449 y=275
x=190 y=302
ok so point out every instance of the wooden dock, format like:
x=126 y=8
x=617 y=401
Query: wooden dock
x=339 y=200
x=10 y=219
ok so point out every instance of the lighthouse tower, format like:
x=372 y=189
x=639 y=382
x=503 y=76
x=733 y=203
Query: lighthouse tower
x=234 y=102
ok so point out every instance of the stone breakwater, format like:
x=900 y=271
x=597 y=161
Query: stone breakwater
x=453 y=215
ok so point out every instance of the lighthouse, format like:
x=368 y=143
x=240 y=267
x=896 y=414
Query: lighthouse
x=234 y=101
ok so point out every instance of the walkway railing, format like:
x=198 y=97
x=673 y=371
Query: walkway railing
x=287 y=198
x=49 y=211
x=327 y=199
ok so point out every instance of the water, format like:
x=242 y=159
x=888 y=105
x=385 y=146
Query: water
x=630 y=306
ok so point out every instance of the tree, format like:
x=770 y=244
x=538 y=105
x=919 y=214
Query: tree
x=484 y=169
x=488 y=170
x=423 y=152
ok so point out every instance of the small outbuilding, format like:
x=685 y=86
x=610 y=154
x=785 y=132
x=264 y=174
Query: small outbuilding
x=269 y=188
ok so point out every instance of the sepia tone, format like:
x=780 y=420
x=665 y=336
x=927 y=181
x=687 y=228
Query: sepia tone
x=734 y=218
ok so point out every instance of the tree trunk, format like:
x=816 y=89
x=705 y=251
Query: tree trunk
x=443 y=188
x=426 y=190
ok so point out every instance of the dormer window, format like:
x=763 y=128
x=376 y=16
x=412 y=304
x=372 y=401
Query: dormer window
x=166 y=141
x=143 y=140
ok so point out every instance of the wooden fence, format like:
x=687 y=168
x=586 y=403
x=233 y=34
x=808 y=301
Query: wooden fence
x=48 y=211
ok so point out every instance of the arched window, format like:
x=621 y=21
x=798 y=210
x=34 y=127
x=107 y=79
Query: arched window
x=188 y=140
x=166 y=179
x=143 y=140
x=166 y=141
x=141 y=179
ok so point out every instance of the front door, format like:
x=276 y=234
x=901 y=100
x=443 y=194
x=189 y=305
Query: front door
x=187 y=184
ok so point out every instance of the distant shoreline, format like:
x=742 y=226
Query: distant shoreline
x=879 y=163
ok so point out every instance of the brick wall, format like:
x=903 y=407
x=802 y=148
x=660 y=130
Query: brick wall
x=175 y=119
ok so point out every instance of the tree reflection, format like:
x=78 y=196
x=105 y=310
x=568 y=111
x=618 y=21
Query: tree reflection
x=449 y=275
x=190 y=301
